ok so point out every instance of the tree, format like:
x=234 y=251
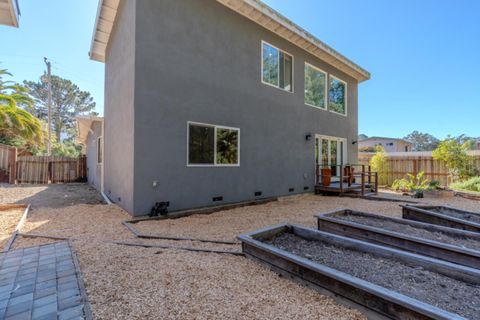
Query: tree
x=362 y=136
x=15 y=122
x=422 y=141
x=455 y=157
x=68 y=101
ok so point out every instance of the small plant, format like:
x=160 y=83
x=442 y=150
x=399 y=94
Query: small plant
x=412 y=183
x=472 y=184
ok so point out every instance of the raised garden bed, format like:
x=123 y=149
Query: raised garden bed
x=448 y=244
x=381 y=281
x=443 y=216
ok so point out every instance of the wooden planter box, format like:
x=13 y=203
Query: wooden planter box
x=428 y=215
x=329 y=222
x=376 y=301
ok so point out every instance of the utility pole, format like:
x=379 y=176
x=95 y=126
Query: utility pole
x=49 y=84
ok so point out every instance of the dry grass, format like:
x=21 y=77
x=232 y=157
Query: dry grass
x=140 y=283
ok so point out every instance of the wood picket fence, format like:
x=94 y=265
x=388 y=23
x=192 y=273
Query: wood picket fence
x=51 y=169
x=40 y=169
x=399 y=164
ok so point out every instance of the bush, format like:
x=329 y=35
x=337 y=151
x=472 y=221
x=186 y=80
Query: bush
x=412 y=183
x=379 y=163
x=455 y=157
x=472 y=184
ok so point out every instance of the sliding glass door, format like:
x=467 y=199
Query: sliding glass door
x=330 y=152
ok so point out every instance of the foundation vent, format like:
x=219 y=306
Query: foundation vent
x=215 y=199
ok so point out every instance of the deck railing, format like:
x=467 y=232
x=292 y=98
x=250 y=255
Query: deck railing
x=348 y=175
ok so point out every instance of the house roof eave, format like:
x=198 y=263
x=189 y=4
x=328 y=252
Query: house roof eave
x=254 y=10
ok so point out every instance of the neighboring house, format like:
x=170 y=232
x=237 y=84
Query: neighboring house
x=214 y=102
x=9 y=12
x=89 y=135
x=389 y=144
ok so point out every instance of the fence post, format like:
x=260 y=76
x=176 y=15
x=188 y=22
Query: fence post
x=12 y=162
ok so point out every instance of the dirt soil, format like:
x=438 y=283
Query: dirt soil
x=8 y=222
x=413 y=281
x=457 y=214
x=147 y=283
x=464 y=242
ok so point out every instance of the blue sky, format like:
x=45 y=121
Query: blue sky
x=424 y=56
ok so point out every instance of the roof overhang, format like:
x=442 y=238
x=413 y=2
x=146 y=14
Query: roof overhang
x=9 y=12
x=254 y=10
x=84 y=127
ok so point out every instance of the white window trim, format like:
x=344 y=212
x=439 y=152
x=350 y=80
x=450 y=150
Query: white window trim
x=99 y=147
x=346 y=96
x=325 y=95
x=261 y=69
x=215 y=127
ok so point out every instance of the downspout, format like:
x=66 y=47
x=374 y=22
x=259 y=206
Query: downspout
x=102 y=177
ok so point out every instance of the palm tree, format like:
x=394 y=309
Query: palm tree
x=14 y=120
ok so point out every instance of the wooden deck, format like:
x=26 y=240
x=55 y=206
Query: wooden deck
x=363 y=182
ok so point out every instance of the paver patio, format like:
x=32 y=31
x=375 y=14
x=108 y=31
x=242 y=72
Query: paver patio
x=40 y=283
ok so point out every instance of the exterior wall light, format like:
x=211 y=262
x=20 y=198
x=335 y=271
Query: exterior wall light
x=308 y=136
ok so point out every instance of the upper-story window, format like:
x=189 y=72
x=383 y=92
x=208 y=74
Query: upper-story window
x=337 y=96
x=315 y=87
x=277 y=67
x=210 y=145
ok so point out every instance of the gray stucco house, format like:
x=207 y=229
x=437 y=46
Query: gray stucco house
x=218 y=101
x=89 y=135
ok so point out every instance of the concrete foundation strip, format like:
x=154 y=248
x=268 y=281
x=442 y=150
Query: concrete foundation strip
x=132 y=244
x=138 y=234
x=20 y=224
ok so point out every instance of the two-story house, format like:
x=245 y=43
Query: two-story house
x=218 y=101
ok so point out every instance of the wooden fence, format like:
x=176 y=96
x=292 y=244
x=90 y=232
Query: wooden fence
x=8 y=157
x=401 y=163
x=51 y=169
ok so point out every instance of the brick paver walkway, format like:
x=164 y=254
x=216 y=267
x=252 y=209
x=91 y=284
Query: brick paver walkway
x=40 y=283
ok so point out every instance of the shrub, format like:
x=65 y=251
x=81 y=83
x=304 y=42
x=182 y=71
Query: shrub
x=379 y=163
x=455 y=157
x=412 y=183
x=472 y=184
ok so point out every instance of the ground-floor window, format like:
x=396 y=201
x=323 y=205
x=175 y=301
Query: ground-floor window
x=212 y=145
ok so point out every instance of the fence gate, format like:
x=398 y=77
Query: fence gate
x=8 y=158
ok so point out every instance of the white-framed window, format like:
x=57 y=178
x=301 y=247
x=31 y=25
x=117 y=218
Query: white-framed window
x=337 y=96
x=212 y=145
x=277 y=67
x=315 y=87
x=99 y=150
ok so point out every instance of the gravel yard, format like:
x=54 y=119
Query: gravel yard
x=8 y=221
x=138 y=283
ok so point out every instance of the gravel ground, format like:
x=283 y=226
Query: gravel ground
x=137 y=283
x=413 y=281
x=8 y=221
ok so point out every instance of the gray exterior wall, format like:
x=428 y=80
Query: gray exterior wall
x=200 y=61
x=119 y=108
x=94 y=169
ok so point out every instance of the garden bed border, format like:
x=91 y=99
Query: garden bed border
x=423 y=214
x=379 y=301
x=468 y=257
